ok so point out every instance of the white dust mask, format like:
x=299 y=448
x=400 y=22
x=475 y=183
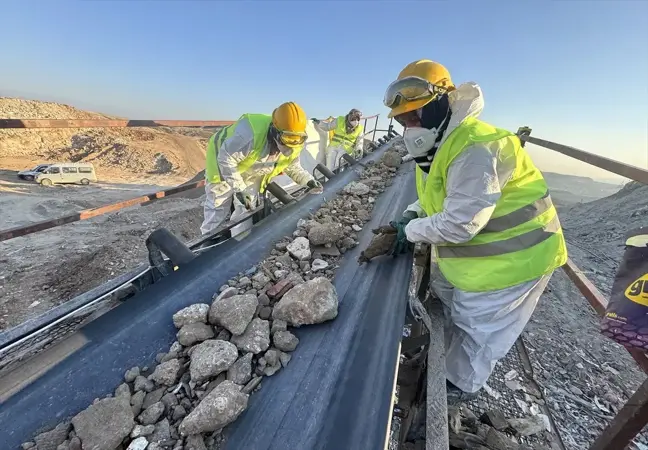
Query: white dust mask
x=419 y=141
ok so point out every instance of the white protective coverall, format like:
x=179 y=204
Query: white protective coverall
x=480 y=327
x=334 y=152
x=219 y=196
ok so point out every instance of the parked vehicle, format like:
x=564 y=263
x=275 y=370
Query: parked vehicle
x=67 y=173
x=30 y=174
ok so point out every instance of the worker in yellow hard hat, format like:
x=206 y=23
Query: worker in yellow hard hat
x=244 y=157
x=348 y=137
x=485 y=208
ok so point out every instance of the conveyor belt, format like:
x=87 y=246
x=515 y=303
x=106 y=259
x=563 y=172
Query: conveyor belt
x=336 y=393
x=133 y=333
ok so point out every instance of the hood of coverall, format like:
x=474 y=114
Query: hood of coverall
x=422 y=143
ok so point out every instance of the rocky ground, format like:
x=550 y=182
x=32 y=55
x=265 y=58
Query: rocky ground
x=224 y=350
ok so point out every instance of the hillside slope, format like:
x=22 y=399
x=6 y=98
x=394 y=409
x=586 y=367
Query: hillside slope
x=117 y=153
x=567 y=190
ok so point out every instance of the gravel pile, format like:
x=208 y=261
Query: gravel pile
x=224 y=349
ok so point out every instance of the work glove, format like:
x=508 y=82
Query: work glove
x=402 y=245
x=315 y=187
x=381 y=244
x=245 y=199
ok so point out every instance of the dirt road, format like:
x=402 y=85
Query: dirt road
x=40 y=271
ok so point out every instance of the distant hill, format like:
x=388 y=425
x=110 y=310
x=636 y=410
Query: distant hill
x=567 y=190
x=118 y=153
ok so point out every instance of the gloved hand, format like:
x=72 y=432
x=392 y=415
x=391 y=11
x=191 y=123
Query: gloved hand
x=245 y=199
x=315 y=187
x=401 y=245
x=380 y=244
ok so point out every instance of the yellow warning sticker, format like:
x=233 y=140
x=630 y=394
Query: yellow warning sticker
x=638 y=291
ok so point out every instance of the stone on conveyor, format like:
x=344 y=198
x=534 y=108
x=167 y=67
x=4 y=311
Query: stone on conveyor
x=312 y=302
x=194 y=332
x=391 y=159
x=151 y=414
x=195 y=442
x=162 y=432
x=210 y=358
x=228 y=292
x=131 y=374
x=219 y=408
x=319 y=264
x=53 y=438
x=142 y=430
x=167 y=373
x=123 y=390
x=299 y=249
x=284 y=358
x=278 y=325
x=527 y=426
x=241 y=371
x=153 y=397
x=256 y=337
x=104 y=424
x=142 y=384
x=285 y=341
x=273 y=363
x=138 y=444
x=137 y=401
x=357 y=188
x=191 y=314
x=495 y=418
x=321 y=234
x=234 y=313
x=279 y=289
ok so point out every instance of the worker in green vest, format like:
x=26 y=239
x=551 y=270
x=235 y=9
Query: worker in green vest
x=348 y=137
x=485 y=208
x=244 y=157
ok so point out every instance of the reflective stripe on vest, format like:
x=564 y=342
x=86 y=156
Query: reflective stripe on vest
x=260 y=124
x=523 y=239
x=344 y=139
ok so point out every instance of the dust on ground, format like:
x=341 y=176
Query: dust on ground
x=48 y=268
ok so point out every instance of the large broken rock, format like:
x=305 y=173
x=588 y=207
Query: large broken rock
x=255 y=339
x=210 y=358
x=327 y=233
x=357 y=188
x=314 y=301
x=191 y=314
x=233 y=313
x=194 y=332
x=105 y=424
x=495 y=418
x=52 y=439
x=241 y=371
x=167 y=373
x=151 y=414
x=299 y=249
x=220 y=407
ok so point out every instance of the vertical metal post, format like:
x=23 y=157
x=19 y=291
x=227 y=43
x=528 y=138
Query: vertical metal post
x=373 y=138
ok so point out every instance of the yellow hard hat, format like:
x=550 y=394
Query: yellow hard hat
x=417 y=85
x=290 y=121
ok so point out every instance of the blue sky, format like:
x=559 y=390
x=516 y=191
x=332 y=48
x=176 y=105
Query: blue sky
x=575 y=71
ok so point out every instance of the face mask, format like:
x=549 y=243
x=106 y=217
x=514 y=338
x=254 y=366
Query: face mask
x=419 y=141
x=354 y=123
x=284 y=149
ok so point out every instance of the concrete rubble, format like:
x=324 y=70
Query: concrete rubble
x=225 y=349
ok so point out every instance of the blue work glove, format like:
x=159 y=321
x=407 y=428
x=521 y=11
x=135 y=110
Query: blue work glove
x=401 y=245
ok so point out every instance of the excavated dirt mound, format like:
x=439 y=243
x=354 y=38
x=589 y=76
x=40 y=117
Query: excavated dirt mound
x=117 y=153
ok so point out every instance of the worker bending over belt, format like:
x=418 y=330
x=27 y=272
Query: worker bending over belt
x=348 y=136
x=244 y=157
x=485 y=208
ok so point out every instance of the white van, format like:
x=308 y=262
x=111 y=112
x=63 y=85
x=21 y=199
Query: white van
x=63 y=173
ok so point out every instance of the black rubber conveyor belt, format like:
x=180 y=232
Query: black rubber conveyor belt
x=133 y=333
x=336 y=392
